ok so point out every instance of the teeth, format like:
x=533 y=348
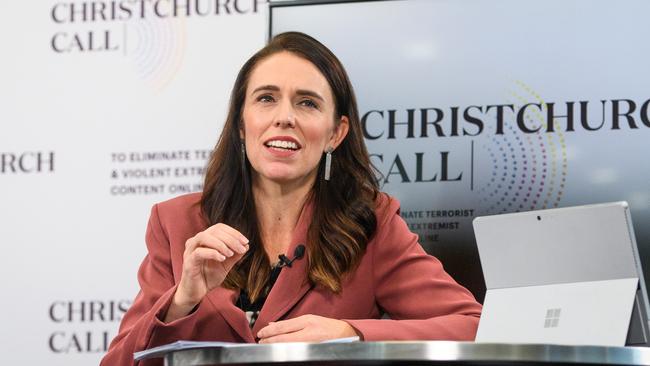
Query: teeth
x=283 y=144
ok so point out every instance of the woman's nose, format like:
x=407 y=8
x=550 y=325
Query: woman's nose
x=285 y=118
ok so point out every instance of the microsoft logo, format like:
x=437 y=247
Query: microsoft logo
x=552 y=318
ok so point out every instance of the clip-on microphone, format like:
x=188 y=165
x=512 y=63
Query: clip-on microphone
x=298 y=253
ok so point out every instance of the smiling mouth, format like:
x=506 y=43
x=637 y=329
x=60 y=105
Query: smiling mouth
x=282 y=145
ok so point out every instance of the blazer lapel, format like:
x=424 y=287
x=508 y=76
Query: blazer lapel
x=224 y=301
x=292 y=284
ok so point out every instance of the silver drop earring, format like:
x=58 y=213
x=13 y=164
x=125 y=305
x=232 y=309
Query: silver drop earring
x=328 y=163
x=243 y=156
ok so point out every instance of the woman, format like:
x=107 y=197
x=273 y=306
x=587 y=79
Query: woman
x=290 y=177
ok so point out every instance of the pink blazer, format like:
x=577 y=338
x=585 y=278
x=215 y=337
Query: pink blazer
x=394 y=276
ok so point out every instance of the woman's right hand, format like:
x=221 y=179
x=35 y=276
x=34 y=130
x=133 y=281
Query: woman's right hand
x=208 y=257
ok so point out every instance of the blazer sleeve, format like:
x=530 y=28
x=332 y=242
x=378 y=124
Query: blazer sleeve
x=141 y=327
x=422 y=300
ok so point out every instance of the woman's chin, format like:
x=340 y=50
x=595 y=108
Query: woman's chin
x=286 y=177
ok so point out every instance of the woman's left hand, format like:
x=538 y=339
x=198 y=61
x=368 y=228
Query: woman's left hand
x=306 y=328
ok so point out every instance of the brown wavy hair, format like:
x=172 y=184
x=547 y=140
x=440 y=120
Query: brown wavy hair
x=343 y=216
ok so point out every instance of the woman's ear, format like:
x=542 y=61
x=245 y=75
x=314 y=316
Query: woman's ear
x=340 y=131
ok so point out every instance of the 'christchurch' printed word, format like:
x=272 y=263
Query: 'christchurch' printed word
x=27 y=162
x=472 y=120
x=119 y=10
x=88 y=311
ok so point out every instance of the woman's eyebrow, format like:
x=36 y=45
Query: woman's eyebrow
x=301 y=92
x=266 y=88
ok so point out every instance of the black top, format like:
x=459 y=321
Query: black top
x=252 y=310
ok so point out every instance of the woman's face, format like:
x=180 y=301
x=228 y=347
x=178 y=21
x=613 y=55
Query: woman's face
x=289 y=119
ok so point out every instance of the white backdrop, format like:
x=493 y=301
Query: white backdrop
x=102 y=115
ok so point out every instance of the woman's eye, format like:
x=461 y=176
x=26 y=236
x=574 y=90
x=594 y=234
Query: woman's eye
x=265 y=98
x=309 y=103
